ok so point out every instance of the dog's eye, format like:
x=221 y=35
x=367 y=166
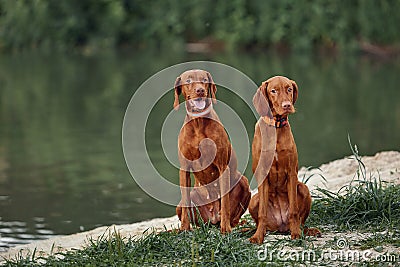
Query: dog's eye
x=289 y=89
x=273 y=91
x=205 y=80
x=188 y=81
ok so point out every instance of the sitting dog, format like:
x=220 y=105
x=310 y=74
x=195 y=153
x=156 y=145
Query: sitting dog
x=282 y=203
x=204 y=149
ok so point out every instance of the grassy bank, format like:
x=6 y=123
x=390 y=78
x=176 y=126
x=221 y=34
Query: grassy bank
x=362 y=218
x=205 y=246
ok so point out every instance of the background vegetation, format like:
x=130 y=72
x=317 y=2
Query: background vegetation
x=301 y=24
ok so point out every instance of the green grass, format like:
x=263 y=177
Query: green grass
x=204 y=245
x=377 y=240
x=366 y=205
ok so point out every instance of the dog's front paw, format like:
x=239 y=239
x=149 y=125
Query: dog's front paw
x=257 y=239
x=226 y=229
x=185 y=227
x=295 y=234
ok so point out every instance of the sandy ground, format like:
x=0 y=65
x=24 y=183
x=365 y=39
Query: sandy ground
x=336 y=173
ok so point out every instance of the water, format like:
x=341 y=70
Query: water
x=61 y=164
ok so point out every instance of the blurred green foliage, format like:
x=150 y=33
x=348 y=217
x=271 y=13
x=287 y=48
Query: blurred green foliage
x=301 y=24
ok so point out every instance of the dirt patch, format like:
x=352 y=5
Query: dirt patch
x=335 y=249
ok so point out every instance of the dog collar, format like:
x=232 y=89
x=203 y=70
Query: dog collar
x=200 y=114
x=277 y=122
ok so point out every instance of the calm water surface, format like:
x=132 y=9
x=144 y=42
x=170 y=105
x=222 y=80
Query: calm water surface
x=61 y=164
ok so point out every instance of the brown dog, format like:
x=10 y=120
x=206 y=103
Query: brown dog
x=204 y=149
x=282 y=203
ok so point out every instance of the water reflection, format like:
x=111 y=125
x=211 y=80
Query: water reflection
x=16 y=232
x=61 y=164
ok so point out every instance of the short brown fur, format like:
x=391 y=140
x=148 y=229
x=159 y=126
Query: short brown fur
x=282 y=203
x=194 y=153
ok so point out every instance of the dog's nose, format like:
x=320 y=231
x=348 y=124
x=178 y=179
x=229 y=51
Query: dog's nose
x=200 y=91
x=286 y=104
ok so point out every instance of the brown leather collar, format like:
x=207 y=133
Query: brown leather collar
x=277 y=121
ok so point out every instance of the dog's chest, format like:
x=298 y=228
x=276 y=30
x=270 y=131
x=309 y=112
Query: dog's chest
x=203 y=141
x=284 y=164
x=285 y=142
x=278 y=179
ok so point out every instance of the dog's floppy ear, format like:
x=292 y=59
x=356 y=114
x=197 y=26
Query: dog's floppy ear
x=295 y=91
x=178 y=91
x=213 y=87
x=260 y=101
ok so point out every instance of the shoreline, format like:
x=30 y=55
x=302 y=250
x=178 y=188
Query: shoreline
x=336 y=173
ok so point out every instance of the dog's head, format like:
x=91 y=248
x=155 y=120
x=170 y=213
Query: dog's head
x=276 y=97
x=197 y=87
